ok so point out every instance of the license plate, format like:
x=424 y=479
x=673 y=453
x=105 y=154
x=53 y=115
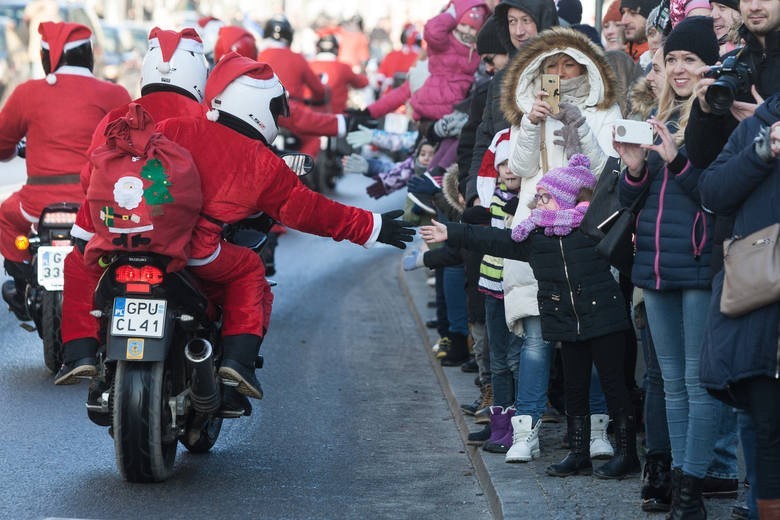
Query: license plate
x=140 y=318
x=51 y=261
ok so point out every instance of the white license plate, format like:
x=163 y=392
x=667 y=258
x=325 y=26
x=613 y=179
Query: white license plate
x=140 y=318
x=51 y=261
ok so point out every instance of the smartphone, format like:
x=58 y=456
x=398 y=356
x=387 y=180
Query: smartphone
x=635 y=132
x=551 y=83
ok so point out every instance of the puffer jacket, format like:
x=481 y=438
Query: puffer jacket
x=673 y=231
x=741 y=183
x=452 y=65
x=578 y=297
x=521 y=82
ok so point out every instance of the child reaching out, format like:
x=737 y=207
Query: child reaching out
x=580 y=304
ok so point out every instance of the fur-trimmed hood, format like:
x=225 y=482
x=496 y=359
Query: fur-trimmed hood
x=641 y=100
x=523 y=74
x=450 y=188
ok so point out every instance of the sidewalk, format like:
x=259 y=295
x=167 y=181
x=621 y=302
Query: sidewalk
x=525 y=491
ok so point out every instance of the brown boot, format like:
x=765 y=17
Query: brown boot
x=769 y=509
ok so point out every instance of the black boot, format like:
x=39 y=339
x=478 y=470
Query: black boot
x=657 y=486
x=690 y=505
x=79 y=360
x=238 y=363
x=14 y=290
x=458 y=352
x=676 y=478
x=625 y=462
x=577 y=461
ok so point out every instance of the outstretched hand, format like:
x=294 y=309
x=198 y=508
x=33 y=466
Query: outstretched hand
x=435 y=233
x=395 y=232
x=360 y=137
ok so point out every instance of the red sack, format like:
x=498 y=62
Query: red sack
x=144 y=194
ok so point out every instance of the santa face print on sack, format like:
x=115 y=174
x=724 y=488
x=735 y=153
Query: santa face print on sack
x=136 y=205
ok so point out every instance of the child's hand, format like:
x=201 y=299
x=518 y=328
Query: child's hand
x=435 y=233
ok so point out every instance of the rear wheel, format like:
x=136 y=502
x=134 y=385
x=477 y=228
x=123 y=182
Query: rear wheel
x=201 y=438
x=51 y=332
x=144 y=440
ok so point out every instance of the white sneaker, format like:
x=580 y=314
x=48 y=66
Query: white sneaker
x=600 y=447
x=525 y=440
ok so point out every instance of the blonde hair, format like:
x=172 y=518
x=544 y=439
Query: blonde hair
x=669 y=105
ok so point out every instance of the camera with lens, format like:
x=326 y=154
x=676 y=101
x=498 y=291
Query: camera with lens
x=732 y=79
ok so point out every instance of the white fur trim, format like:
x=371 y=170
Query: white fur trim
x=164 y=67
x=197 y=262
x=75 y=71
x=51 y=79
x=127 y=231
x=375 y=231
x=79 y=232
x=342 y=131
x=29 y=218
x=212 y=115
x=186 y=44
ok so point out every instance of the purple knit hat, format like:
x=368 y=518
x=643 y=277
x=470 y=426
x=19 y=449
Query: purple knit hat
x=565 y=183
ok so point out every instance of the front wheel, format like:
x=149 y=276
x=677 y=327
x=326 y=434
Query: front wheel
x=144 y=440
x=51 y=333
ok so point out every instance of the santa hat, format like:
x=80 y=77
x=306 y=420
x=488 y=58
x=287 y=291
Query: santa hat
x=203 y=21
x=474 y=17
x=566 y=183
x=502 y=153
x=168 y=41
x=487 y=174
x=230 y=68
x=58 y=38
x=235 y=38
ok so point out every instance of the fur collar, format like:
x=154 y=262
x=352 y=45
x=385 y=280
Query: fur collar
x=641 y=100
x=450 y=188
x=523 y=75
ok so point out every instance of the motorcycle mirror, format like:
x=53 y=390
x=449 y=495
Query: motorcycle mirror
x=300 y=163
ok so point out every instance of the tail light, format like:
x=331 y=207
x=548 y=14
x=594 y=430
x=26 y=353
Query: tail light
x=138 y=279
x=59 y=218
x=22 y=243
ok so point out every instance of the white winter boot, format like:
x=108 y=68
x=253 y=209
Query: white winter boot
x=600 y=447
x=525 y=440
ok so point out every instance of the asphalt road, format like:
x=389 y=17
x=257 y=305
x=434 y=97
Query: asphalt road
x=354 y=423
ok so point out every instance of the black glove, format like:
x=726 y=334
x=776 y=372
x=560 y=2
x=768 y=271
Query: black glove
x=355 y=118
x=479 y=215
x=21 y=148
x=395 y=232
x=422 y=184
x=511 y=207
x=376 y=190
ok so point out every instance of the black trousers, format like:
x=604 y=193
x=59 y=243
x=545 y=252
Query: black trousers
x=761 y=396
x=608 y=353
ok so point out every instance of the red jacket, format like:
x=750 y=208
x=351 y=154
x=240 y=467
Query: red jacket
x=398 y=61
x=338 y=77
x=241 y=177
x=294 y=72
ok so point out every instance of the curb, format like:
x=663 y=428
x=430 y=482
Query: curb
x=480 y=469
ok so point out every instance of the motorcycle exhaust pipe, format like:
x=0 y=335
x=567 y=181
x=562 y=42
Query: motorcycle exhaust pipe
x=204 y=388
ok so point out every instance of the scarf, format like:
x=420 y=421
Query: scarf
x=575 y=90
x=556 y=222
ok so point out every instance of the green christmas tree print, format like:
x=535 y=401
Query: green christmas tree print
x=157 y=193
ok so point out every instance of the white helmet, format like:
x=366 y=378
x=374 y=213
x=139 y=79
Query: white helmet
x=249 y=90
x=175 y=61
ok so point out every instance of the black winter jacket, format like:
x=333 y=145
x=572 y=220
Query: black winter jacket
x=579 y=299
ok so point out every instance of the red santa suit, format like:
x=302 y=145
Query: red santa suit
x=57 y=115
x=241 y=177
x=339 y=78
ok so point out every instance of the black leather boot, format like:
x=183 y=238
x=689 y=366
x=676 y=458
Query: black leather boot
x=79 y=360
x=657 y=485
x=458 y=352
x=690 y=505
x=625 y=462
x=577 y=461
x=14 y=290
x=238 y=363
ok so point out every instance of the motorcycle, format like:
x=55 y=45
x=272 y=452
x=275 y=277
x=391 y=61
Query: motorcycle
x=49 y=243
x=157 y=383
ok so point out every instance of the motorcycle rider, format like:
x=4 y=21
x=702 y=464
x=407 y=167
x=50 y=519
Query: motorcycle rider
x=335 y=75
x=295 y=74
x=173 y=81
x=241 y=176
x=57 y=116
x=236 y=39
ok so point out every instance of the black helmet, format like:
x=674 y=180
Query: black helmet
x=279 y=28
x=328 y=43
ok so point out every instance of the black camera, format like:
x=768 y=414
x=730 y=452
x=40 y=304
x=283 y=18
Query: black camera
x=733 y=79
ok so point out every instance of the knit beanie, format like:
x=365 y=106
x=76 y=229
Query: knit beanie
x=612 y=14
x=566 y=183
x=590 y=32
x=694 y=34
x=474 y=17
x=642 y=7
x=570 y=10
x=488 y=41
x=732 y=4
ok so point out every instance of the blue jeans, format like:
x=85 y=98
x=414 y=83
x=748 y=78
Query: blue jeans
x=656 y=428
x=454 y=284
x=747 y=435
x=724 y=462
x=533 y=375
x=598 y=403
x=504 y=353
x=677 y=321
